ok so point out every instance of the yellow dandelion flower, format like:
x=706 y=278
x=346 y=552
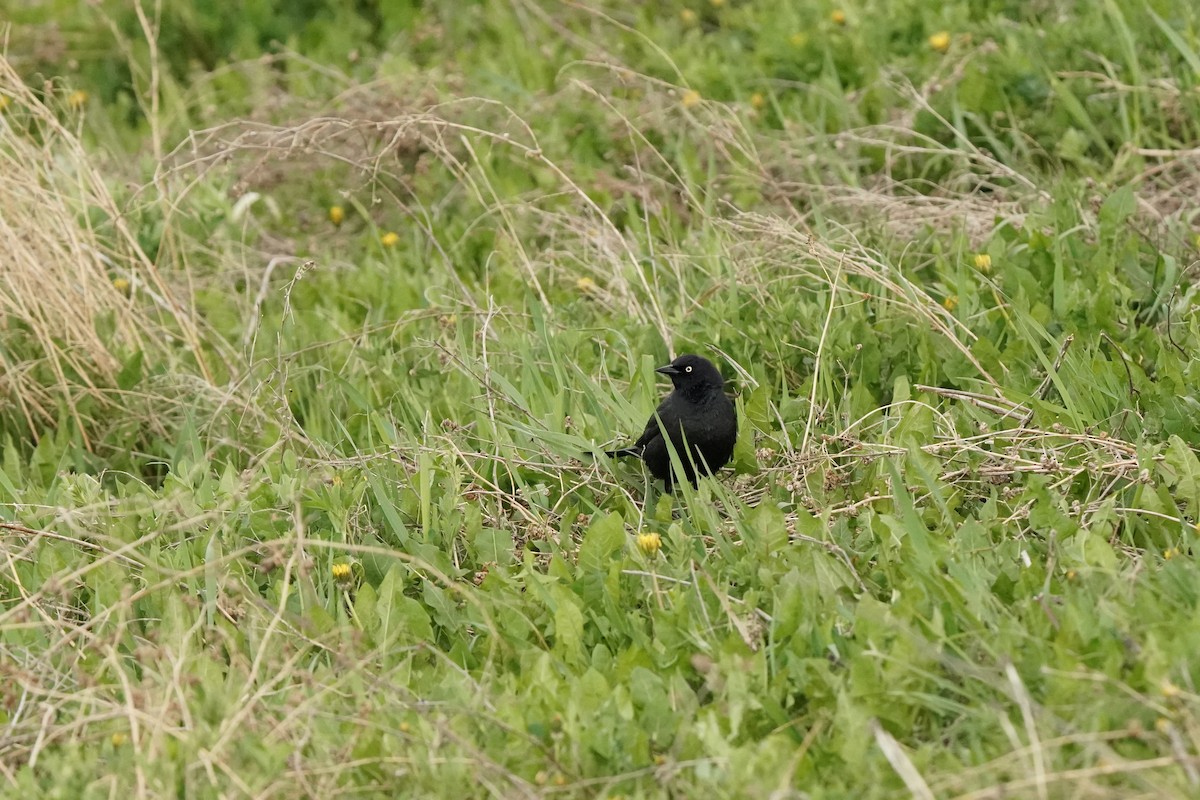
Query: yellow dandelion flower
x=649 y=543
x=337 y=215
x=121 y=285
x=688 y=16
x=983 y=262
x=1170 y=690
x=1070 y=574
x=342 y=573
x=585 y=284
x=119 y=739
x=4 y=102
x=798 y=39
x=1170 y=553
x=940 y=41
x=950 y=303
x=77 y=98
x=757 y=100
x=717 y=3
x=390 y=239
x=838 y=17
x=691 y=98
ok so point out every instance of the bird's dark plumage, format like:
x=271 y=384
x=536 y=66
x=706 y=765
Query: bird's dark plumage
x=698 y=413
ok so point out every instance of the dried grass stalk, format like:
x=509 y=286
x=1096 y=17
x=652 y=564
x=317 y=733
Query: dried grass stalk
x=57 y=270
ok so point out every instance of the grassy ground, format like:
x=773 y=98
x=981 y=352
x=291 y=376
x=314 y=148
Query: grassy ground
x=310 y=317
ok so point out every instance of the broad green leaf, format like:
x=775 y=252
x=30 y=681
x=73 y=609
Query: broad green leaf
x=493 y=545
x=568 y=624
x=604 y=538
x=1181 y=468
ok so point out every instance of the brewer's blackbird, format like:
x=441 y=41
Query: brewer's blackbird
x=698 y=413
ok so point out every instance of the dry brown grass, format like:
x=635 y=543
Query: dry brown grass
x=66 y=239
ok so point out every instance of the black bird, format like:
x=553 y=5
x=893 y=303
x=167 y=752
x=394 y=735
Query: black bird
x=698 y=413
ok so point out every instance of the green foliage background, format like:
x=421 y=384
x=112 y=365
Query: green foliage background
x=352 y=543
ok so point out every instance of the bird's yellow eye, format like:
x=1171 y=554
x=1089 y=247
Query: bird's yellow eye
x=687 y=369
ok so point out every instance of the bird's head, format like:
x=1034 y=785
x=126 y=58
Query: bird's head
x=690 y=372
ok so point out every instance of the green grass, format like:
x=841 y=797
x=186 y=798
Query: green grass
x=327 y=524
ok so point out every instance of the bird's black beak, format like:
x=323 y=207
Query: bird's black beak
x=667 y=370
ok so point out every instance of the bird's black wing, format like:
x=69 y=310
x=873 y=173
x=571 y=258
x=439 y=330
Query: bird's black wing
x=668 y=413
x=665 y=411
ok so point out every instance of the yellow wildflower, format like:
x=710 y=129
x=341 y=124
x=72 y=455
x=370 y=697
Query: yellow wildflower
x=757 y=100
x=798 y=39
x=337 y=215
x=77 y=98
x=121 y=285
x=950 y=303
x=940 y=41
x=838 y=17
x=691 y=98
x=649 y=543
x=119 y=739
x=585 y=284
x=4 y=102
x=983 y=262
x=717 y=3
x=390 y=239
x=688 y=16
x=342 y=573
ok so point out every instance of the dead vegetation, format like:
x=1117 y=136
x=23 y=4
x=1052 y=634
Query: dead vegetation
x=78 y=294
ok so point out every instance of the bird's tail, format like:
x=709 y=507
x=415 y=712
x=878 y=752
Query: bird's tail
x=624 y=451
